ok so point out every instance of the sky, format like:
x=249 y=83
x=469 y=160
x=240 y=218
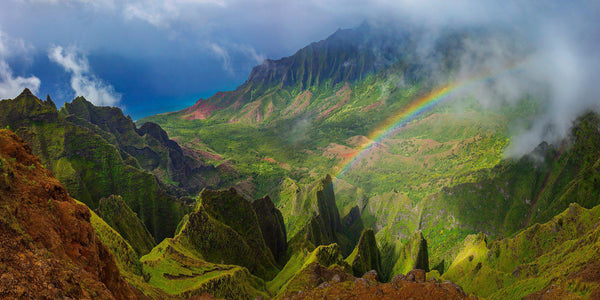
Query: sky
x=151 y=56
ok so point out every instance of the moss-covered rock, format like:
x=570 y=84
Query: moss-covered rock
x=366 y=255
x=180 y=271
x=414 y=255
x=149 y=145
x=272 y=227
x=560 y=254
x=323 y=225
x=125 y=256
x=121 y=218
x=225 y=229
x=88 y=162
x=306 y=270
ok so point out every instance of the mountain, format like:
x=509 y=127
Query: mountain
x=94 y=161
x=220 y=249
x=48 y=246
x=149 y=145
x=521 y=192
x=366 y=255
x=433 y=180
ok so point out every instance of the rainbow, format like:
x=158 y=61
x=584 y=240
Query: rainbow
x=417 y=107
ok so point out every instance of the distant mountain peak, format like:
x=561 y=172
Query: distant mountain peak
x=25 y=93
x=346 y=55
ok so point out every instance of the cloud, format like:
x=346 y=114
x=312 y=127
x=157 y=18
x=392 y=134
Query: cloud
x=82 y=81
x=11 y=86
x=223 y=55
x=255 y=57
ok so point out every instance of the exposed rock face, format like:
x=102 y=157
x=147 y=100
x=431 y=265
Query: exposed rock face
x=366 y=255
x=48 y=247
x=367 y=287
x=225 y=229
x=272 y=227
x=121 y=218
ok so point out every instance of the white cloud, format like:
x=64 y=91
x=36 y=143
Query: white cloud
x=11 y=86
x=223 y=55
x=249 y=51
x=225 y=52
x=83 y=82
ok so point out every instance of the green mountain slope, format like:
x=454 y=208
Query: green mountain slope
x=89 y=165
x=181 y=272
x=149 y=145
x=518 y=193
x=557 y=256
x=366 y=255
x=225 y=229
x=119 y=216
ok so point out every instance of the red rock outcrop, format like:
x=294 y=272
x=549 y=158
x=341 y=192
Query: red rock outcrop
x=48 y=248
x=411 y=286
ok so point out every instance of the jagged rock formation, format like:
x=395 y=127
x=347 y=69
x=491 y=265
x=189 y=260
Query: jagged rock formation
x=414 y=255
x=85 y=159
x=324 y=228
x=225 y=229
x=346 y=55
x=366 y=255
x=219 y=249
x=48 y=247
x=121 y=218
x=272 y=227
x=324 y=225
x=149 y=145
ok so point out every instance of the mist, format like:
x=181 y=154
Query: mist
x=545 y=51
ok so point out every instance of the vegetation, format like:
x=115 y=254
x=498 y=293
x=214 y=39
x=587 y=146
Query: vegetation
x=366 y=256
x=559 y=253
x=179 y=271
x=119 y=216
x=89 y=165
